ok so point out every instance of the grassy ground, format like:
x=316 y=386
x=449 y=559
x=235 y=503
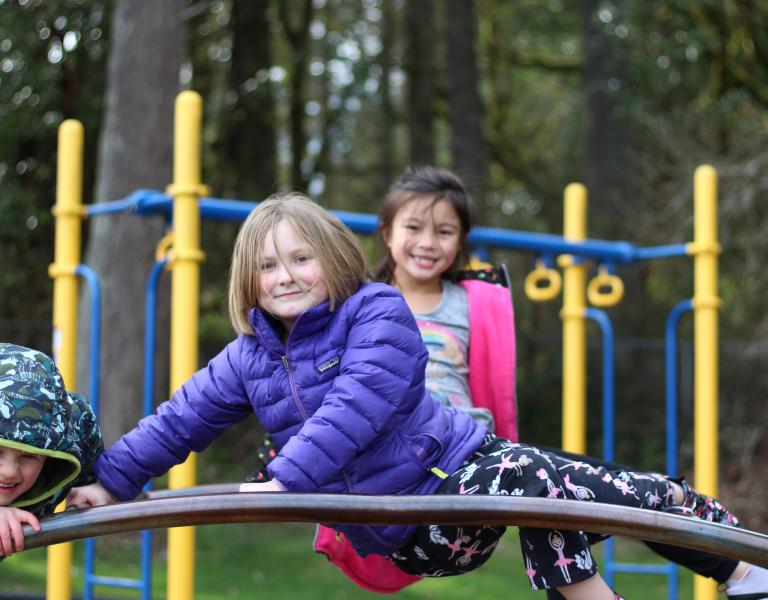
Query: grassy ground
x=277 y=561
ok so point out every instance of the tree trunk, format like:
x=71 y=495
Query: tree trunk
x=298 y=38
x=468 y=144
x=148 y=44
x=420 y=69
x=247 y=144
x=386 y=131
x=607 y=164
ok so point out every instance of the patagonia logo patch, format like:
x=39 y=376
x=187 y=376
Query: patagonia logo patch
x=328 y=364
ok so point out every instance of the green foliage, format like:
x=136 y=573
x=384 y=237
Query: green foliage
x=531 y=60
x=51 y=68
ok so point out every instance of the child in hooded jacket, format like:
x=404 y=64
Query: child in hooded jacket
x=49 y=439
x=334 y=369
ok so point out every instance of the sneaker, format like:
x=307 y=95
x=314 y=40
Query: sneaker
x=752 y=586
x=704 y=507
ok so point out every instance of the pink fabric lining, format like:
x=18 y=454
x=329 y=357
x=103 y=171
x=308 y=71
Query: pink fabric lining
x=373 y=572
x=492 y=353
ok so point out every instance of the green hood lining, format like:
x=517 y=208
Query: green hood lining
x=69 y=459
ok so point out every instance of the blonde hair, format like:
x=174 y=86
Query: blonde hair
x=337 y=249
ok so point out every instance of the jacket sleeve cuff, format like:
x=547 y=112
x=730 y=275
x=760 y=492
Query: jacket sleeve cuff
x=117 y=485
x=290 y=477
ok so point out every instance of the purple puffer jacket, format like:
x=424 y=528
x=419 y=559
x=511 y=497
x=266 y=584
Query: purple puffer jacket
x=343 y=399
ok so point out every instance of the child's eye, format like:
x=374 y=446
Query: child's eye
x=302 y=259
x=446 y=232
x=412 y=227
x=266 y=266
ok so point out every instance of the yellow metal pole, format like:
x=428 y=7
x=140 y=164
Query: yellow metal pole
x=705 y=249
x=574 y=329
x=68 y=212
x=185 y=257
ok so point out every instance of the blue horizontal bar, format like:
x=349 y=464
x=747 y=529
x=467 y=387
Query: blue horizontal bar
x=120 y=582
x=149 y=202
x=640 y=568
x=662 y=251
x=222 y=209
x=143 y=202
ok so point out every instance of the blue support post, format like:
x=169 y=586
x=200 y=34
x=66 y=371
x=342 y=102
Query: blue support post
x=671 y=382
x=671 y=411
x=148 y=406
x=610 y=566
x=92 y=279
x=144 y=583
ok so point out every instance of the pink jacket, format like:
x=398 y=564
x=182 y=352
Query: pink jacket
x=491 y=385
x=492 y=353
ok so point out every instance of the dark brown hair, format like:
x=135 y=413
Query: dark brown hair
x=439 y=184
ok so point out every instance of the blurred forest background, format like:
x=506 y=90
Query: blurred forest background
x=336 y=97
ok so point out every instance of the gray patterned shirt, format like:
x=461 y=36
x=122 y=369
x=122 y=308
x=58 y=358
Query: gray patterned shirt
x=445 y=331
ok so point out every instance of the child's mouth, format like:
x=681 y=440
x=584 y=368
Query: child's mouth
x=292 y=294
x=424 y=261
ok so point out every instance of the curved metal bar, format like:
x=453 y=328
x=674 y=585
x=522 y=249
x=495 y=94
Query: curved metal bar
x=198 y=490
x=208 y=509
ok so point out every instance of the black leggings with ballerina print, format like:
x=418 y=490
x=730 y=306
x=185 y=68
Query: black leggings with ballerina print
x=553 y=558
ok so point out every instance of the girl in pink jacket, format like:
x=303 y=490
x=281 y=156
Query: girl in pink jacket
x=468 y=328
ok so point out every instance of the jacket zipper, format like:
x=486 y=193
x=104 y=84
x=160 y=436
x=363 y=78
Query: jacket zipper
x=292 y=383
x=305 y=416
x=302 y=411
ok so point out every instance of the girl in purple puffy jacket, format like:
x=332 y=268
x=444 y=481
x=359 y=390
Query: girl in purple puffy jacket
x=334 y=370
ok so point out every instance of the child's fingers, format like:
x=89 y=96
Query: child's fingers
x=12 y=531
x=6 y=548
x=87 y=496
x=30 y=520
x=11 y=536
x=77 y=498
x=74 y=499
x=18 y=535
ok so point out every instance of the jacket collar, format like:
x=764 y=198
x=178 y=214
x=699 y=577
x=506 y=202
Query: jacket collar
x=270 y=331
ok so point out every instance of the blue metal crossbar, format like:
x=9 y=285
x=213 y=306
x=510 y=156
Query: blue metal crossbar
x=149 y=202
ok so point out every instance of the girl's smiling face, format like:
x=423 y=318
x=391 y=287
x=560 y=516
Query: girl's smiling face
x=291 y=278
x=18 y=472
x=424 y=240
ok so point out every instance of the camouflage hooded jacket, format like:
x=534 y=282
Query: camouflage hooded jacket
x=38 y=414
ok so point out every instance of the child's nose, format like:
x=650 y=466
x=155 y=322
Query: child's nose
x=8 y=468
x=284 y=275
x=427 y=237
